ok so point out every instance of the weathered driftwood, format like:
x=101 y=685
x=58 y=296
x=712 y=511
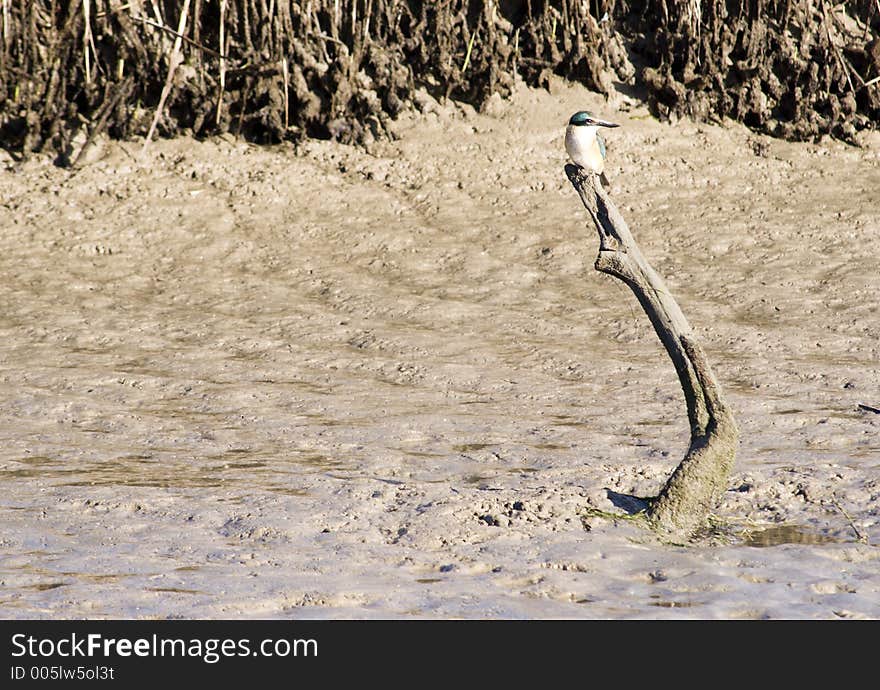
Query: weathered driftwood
x=696 y=485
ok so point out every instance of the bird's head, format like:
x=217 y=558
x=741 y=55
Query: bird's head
x=584 y=119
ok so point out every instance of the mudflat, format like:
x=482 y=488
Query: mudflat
x=323 y=381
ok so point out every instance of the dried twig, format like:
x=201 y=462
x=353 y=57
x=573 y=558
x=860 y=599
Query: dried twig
x=860 y=536
x=222 y=60
x=114 y=10
x=174 y=62
x=6 y=24
x=286 y=75
x=843 y=64
x=87 y=38
x=168 y=29
x=325 y=37
x=157 y=12
x=467 y=58
x=515 y=49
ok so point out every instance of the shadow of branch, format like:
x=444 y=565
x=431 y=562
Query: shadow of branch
x=628 y=503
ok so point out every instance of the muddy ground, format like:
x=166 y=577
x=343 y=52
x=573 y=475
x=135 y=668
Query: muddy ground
x=319 y=381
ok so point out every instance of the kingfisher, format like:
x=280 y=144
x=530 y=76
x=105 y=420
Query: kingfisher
x=584 y=145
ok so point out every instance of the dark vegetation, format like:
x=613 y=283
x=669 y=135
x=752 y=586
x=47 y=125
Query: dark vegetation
x=273 y=69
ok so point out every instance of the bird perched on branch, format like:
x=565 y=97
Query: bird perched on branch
x=584 y=145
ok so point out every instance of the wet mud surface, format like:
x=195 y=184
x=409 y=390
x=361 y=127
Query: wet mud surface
x=319 y=381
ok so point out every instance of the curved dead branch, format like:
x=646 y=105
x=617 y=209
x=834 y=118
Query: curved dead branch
x=696 y=485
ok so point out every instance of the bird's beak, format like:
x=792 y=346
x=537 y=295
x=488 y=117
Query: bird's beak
x=604 y=123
